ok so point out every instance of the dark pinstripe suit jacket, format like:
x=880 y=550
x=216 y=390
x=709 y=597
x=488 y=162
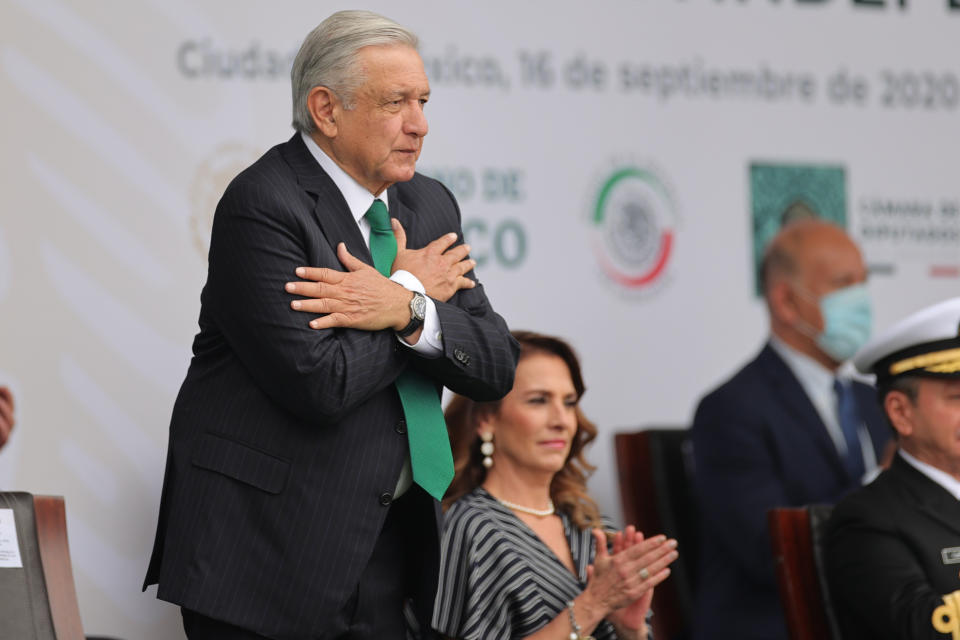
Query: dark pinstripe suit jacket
x=283 y=439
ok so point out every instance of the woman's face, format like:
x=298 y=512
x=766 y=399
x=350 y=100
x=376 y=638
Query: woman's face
x=537 y=420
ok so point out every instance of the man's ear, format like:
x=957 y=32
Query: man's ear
x=899 y=409
x=323 y=106
x=782 y=302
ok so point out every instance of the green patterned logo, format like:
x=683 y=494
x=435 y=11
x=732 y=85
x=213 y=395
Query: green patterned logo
x=781 y=193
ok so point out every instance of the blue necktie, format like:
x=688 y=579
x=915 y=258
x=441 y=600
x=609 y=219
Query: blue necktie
x=849 y=419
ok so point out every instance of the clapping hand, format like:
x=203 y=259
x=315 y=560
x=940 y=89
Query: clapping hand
x=623 y=579
x=634 y=615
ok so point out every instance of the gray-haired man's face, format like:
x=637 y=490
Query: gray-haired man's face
x=379 y=141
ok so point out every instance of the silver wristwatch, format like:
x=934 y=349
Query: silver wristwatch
x=418 y=311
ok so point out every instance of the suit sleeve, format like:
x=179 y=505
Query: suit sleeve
x=479 y=354
x=259 y=237
x=875 y=580
x=737 y=481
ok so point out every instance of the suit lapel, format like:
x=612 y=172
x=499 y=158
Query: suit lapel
x=930 y=497
x=330 y=211
x=800 y=408
x=400 y=211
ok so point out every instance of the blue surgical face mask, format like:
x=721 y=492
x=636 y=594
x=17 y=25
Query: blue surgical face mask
x=847 y=321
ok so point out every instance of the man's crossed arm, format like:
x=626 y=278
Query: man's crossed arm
x=362 y=298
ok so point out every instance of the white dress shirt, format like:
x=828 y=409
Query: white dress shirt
x=817 y=382
x=942 y=478
x=359 y=200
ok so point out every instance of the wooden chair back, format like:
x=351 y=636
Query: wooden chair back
x=796 y=540
x=656 y=494
x=38 y=601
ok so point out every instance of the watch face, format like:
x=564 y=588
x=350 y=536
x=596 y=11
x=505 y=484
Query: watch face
x=418 y=306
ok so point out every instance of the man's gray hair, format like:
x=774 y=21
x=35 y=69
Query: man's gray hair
x=328 y=58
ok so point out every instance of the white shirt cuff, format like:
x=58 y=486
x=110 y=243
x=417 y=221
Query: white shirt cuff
x=430 y=344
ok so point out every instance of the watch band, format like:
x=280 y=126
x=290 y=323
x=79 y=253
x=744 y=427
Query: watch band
x=415 y=323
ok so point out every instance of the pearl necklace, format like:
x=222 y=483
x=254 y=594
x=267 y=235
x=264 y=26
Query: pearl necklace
x=540 y=513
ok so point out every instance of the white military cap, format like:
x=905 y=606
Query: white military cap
x=925 y=343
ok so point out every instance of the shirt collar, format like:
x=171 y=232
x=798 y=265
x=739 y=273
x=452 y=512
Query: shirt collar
x=357 y=196
x=810 y=373
x=942 y=478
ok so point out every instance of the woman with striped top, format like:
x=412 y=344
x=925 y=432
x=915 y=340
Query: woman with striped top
x=524 y=552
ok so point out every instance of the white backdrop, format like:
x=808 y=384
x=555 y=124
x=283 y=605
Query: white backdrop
x=123 y=121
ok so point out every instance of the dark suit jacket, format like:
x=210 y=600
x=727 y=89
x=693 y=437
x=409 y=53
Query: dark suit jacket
x=286 y=442
x=759 y=443
x=883 y=556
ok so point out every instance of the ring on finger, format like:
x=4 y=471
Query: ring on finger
x=644 y=574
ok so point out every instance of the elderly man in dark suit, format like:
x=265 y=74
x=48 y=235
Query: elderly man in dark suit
x=306 y=459
x=893 y=547
x=786 y=430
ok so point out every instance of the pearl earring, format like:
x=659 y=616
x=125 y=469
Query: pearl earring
x=487 y=448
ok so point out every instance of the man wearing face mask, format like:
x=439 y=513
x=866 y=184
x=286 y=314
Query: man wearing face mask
x=787 y=430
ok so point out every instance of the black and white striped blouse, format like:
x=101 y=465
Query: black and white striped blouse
x=498 y=579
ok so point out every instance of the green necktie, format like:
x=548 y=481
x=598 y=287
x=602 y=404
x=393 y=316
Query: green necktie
x=430 y=456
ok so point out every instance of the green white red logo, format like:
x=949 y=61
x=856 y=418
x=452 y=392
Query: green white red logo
x=634 y=223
